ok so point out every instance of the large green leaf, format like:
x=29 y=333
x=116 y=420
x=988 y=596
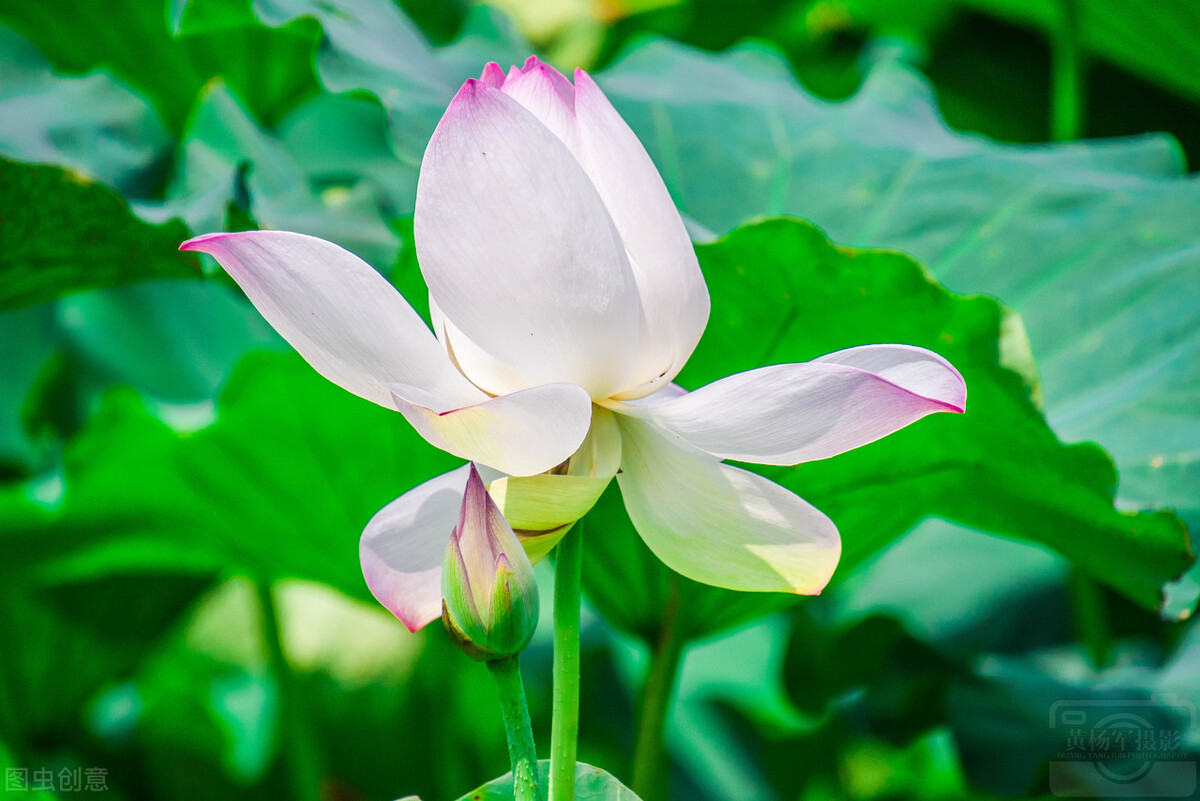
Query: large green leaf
x=133 y=39
x=60 y=231
x=1025 y=708
x=280 y=485
x=1093 y=244
x=591 y=784
x=227 y=159
x=90 y=624
x=1157 y=41
x=176 y=340
x=210 y=704
x=373 y=46
x=91 y=123
x=1010 y=714
x=782 y=293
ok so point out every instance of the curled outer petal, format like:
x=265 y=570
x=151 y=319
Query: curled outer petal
x=791 y=413
x=344 y=318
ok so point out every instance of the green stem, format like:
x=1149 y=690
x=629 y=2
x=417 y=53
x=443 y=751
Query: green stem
x=649 y=774
x=1068 y=87
x=1091 y=618
x=299 y=752
x=521 y=751
x=11 y=731
x=564 y=733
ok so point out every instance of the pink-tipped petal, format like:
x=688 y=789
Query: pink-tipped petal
x=560 y=81
x=548 y=100
x=518 y=249
x=719 y=524
x=917 y=370
x=791 y=413
x=341 y=315
x=521 y=434
x=493 y=75
x=671 y=286
x=402 y=547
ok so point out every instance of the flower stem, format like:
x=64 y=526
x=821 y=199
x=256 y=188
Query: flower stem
x=1068 y=70
x=564 y=732
x=298 y=750
x=521 y=751
x=12 y=734
x=1091 y=618
x=649 y=775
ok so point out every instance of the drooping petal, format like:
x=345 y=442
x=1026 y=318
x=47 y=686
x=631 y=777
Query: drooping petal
x=341 y=315
x=522 y=434
x=673 y=293
x=791 y=413
x=548 y=96
x=719 y=524
x=518 y=249
x=402 y=547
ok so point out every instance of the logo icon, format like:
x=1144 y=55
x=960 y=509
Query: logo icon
x=1123 y=749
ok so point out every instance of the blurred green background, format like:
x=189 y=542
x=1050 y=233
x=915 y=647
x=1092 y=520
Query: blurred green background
x=181 y=609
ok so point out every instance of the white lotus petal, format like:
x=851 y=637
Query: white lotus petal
x=521 y=434
x=485 y=370
x=719 y=524
x=600 y=453
x=402 y=547
x=518 y=249
x=673 y=293
x=918 y=370
x=544 y=506
x=492 y=75
x=550 y=97
x=341 y=315
x=791 y=413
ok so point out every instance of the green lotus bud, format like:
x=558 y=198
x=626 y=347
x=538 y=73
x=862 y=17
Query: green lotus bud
x=489 y=594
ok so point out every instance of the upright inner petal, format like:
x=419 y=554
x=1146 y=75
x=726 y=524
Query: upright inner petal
x=482 y=368
x=550 y=98
x=671 y=286
x=518 y=249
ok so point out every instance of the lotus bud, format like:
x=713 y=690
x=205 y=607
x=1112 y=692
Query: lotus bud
x=489 y=593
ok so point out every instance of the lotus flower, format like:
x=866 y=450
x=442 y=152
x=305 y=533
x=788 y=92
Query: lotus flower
x=565 y=296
